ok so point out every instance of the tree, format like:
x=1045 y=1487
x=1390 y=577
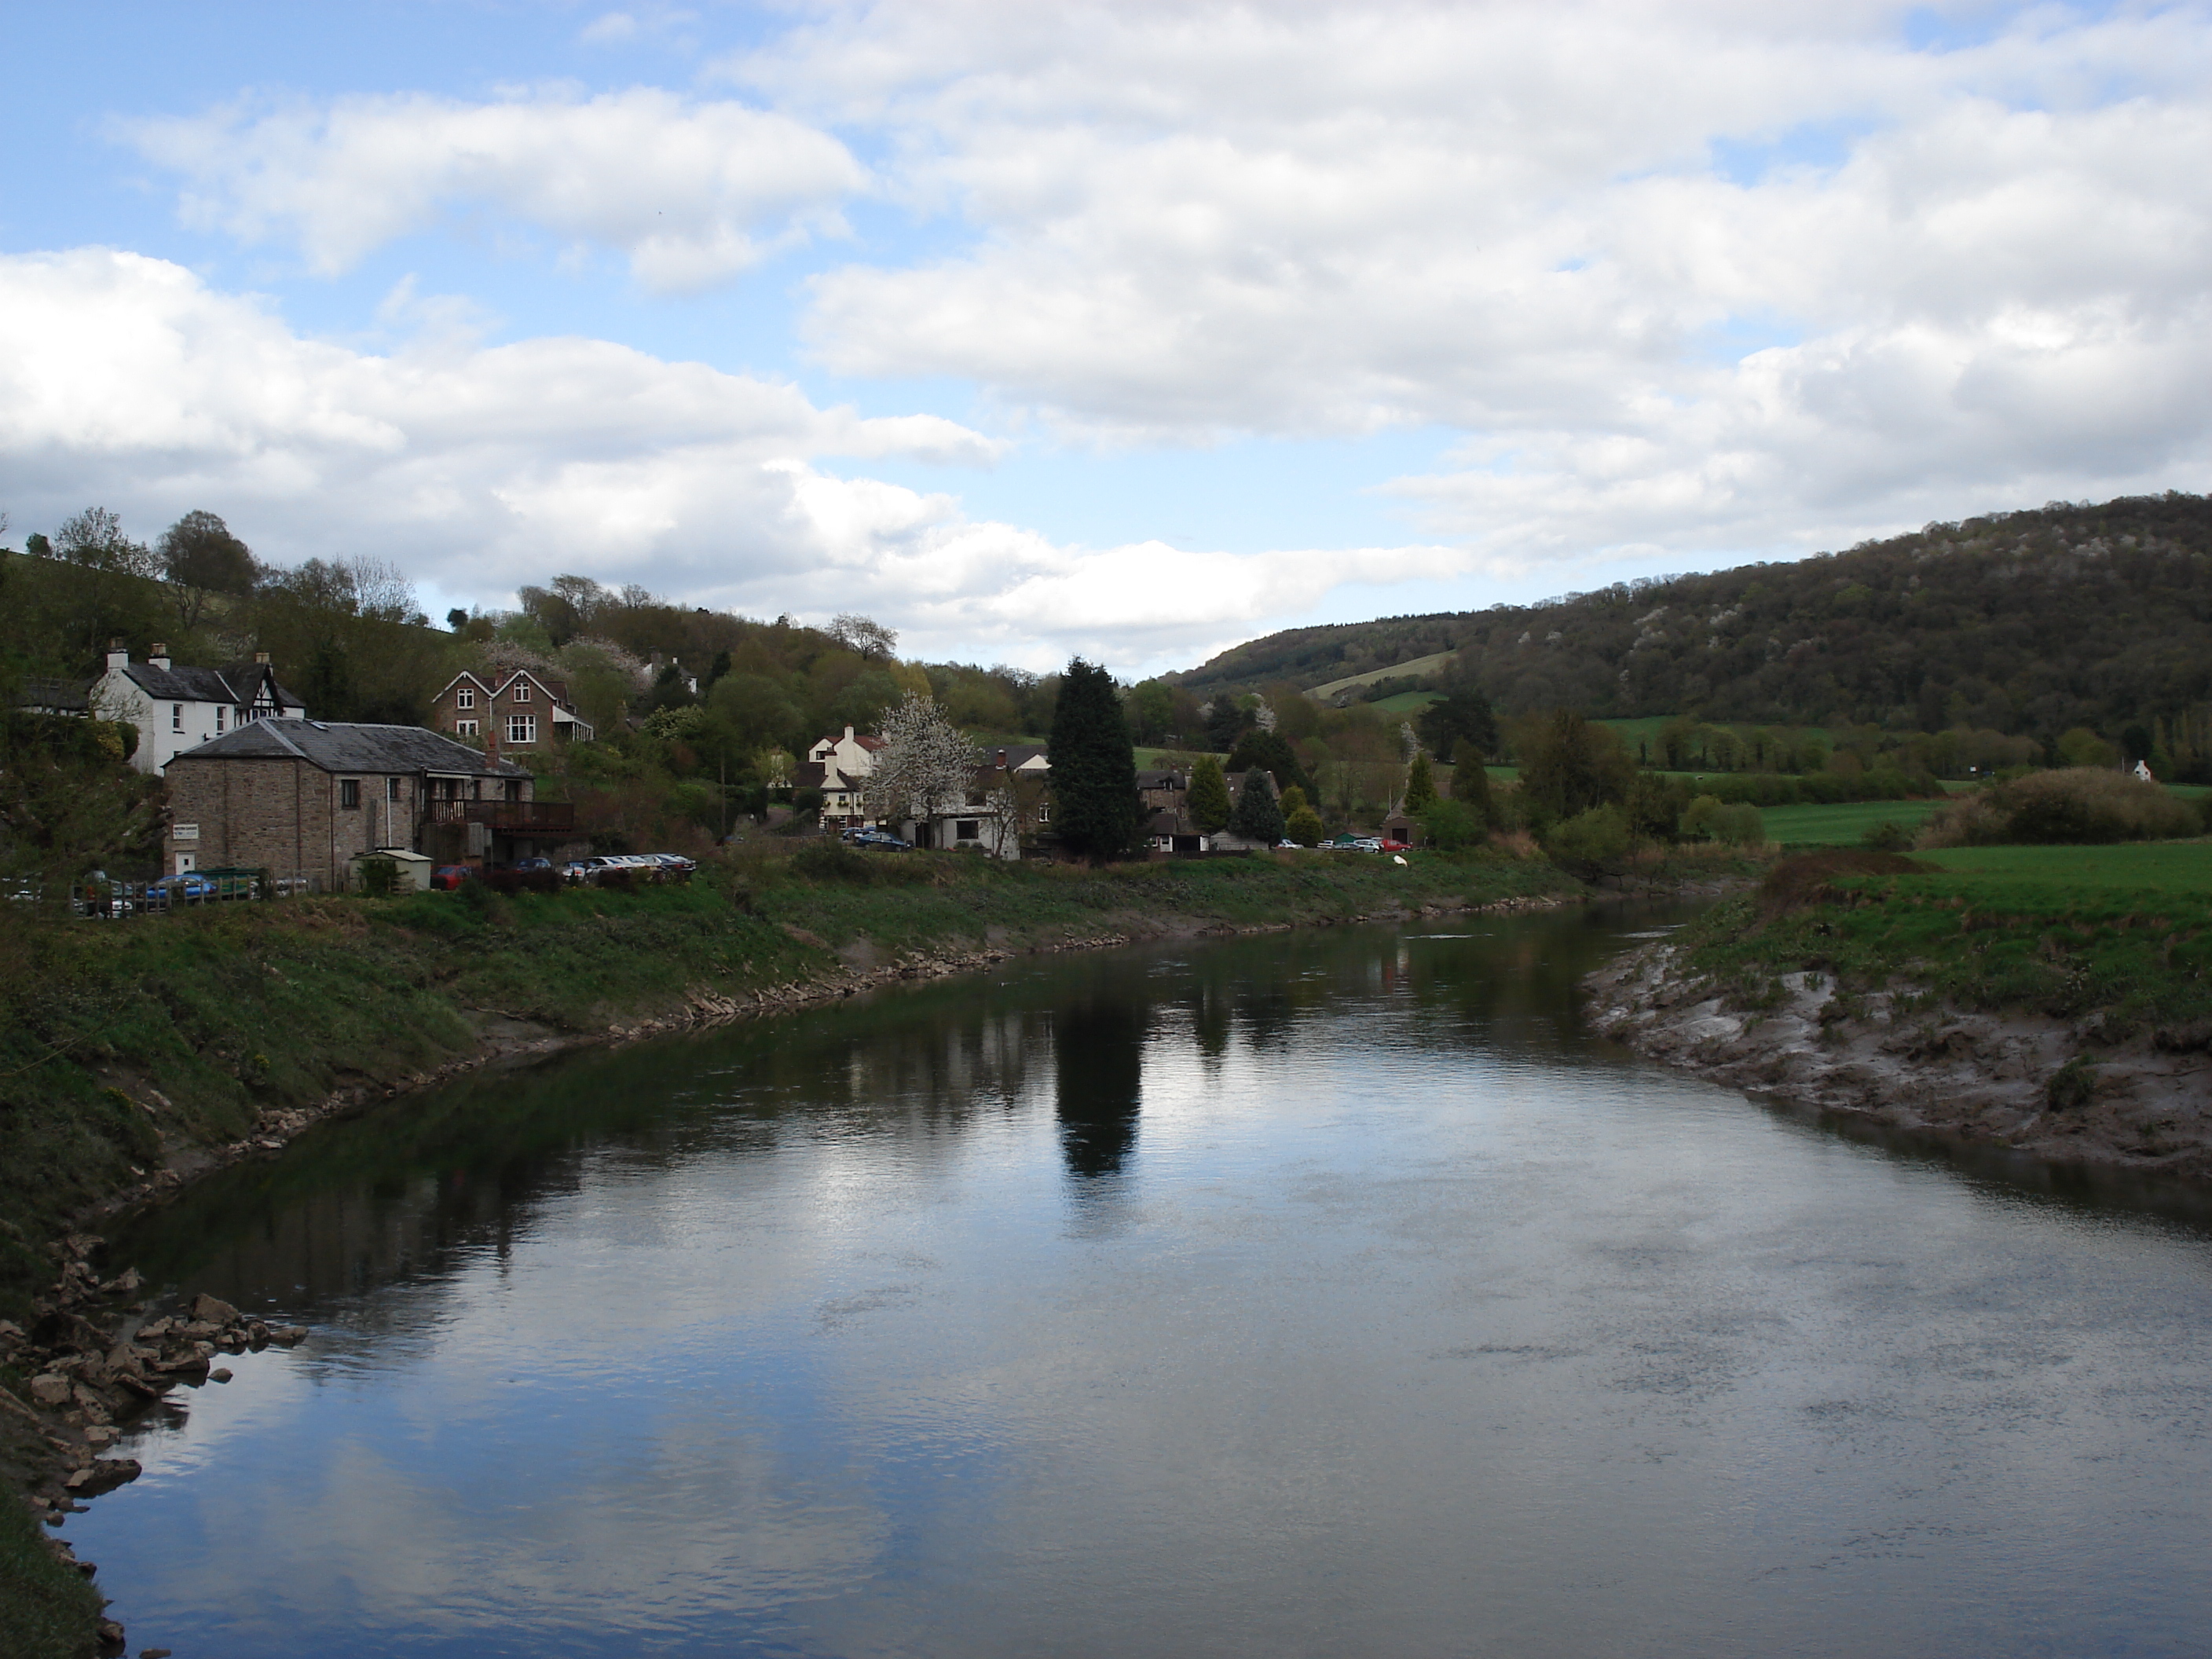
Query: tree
x=1259 y=816
x=1304 y=826
x=861 y=635
x=1209 y=804
x=199 y=556
x=1463 y=715
x=924 y=766
x=94 y=542
x=1094 y=769
x=1420 y=786
x=1571 y=766
x=1470 y=782
x=1152 y=710
x=1260 y=747
x=1452 y=825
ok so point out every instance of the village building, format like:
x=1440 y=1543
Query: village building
x=520 y=710
x=173 y=708
x=839 y=768
x=302 y=799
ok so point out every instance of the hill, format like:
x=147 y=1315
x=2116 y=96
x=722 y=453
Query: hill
x=2029 y=623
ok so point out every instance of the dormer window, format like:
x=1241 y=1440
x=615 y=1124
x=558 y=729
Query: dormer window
x=522 y=692
x=464 y=698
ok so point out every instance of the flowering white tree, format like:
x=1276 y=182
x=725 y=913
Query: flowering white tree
x=924 y=766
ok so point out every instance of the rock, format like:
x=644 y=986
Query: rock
x=213 y=1310
x=101 y=1436
x=220 y=1374
x=153 y=1653
x=104 y=1474
x=50 y=1389
x=287 y=1336
x=125 y=1282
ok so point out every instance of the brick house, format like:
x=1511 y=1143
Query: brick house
x=520 y=711
x=301 y=798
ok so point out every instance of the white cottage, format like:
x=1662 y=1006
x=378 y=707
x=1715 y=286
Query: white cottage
x=179 y=708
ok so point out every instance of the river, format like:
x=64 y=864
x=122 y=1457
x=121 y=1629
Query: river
x=1325 y=1293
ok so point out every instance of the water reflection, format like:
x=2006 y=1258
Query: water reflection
x=1098 y=1066
x=1315 y=1294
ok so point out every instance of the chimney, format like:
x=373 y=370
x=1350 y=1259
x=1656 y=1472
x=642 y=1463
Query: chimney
x=117 y=657
x=1002 y=760
x=157 y=655
x=848 y=734
x=261 y=657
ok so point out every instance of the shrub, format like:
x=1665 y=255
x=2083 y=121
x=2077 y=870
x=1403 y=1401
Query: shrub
x=2077 y=806
x=1453 y=825
x=1888 y=836
x=379 y=877
x=1304 y=826
x=1597 y=836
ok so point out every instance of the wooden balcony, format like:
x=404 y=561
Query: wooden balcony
x=506 y=818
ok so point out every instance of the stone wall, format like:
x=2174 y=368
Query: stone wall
x=284 y=816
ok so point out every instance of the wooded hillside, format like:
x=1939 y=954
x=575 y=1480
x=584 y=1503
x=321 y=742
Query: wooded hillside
x=2032 y=622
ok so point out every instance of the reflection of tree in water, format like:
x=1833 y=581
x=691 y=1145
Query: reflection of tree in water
x=1098 y=1052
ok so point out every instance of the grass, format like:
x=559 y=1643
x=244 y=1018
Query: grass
x=2124 y=933
x=1842 y=825
x=47 y=1610
x=1433 y=664
x=1408 y=703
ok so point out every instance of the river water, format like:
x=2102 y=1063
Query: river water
x=1329 y=1293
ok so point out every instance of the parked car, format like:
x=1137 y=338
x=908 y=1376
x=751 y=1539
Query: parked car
x=881 y=840
x=676 y=864
x=448 y=878
x=617 y=869
x=1393 y=847
x=575 y=873
x=188 y=887
x=531 y=864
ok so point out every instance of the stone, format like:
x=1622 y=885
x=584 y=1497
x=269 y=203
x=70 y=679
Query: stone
x=220 y=1374
x=213 y=1310
x=153 y=1653
x=50 y=1389
x=104 y=1474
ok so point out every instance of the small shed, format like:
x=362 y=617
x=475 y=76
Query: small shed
x=414 y=867
x=1399 y=827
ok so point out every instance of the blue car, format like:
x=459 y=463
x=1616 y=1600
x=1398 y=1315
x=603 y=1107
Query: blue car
x=881 y=840
x=187 y=888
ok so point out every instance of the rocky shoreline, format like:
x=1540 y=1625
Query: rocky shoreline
x=2057 y=1090
x=96 y=1357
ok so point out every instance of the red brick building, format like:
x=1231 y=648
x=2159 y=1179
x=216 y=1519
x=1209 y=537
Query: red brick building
x=519 y=713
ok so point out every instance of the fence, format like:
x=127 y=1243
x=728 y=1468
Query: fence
x=117 y=901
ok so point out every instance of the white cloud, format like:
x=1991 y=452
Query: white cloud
x=127 y=380
x=691 y=192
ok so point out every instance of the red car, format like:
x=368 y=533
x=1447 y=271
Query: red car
x=1394 y=846
x=447 y=876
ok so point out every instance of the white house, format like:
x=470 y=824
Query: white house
x=179 y=708
x=844 y=765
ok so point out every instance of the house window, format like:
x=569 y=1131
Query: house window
x=522 y=728
x=967 y=829
x=349 y=792
x=464 y=698
x=464 y=728
x=176 y=717
x=220 y=711
x=522 y=692
x=514 y=789
x=391 y=789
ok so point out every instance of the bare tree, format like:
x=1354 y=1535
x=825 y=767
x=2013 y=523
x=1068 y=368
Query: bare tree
x=857 y=633
x=924 y=766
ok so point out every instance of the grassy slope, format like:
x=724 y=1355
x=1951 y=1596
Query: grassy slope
x=47 y=1610
x=2124 y=931
x=229 y=1012
x=1840 y=825
x=1433 y=664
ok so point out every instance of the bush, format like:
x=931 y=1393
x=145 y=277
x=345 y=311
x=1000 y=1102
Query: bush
x=379 y=877
x=2077 y=806
x=1596 y=837
x=1453 y=825
x=1304 y=826
x=1888 y=836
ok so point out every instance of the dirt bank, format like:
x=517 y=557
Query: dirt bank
x=2053 y=1087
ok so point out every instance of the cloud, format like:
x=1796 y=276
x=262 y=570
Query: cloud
x=693 y=193
x=127 y=380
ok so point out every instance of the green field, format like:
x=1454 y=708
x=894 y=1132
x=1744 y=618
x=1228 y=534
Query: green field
x=1841 y=825
x=1408 y=703
x=2156 y=867
x=1433 y=664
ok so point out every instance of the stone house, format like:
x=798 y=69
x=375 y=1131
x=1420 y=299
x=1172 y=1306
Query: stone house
x=520 y=711
x=179 y=708
x=301 y=799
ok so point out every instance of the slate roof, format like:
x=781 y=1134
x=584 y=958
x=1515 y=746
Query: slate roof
x=236 y=685
x=62 y=696
x=1016 y=754
x=338 y=748
x=808 y=775
x=1160 y=780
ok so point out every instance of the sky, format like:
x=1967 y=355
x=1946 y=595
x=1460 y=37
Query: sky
x=1130 y=330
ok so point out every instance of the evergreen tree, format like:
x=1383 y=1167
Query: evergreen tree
x=1257 y=817
x=1471 y=783
x=1094 y=769
x=1304 y=826
x=1209 y=803
x=1258 y=747
x=1420 y=786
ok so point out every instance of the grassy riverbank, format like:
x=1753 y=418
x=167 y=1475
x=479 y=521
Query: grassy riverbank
x=125 y=1047
x=2124 y=933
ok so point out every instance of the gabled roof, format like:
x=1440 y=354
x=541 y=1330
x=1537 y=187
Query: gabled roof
x=1164 y=779
x=236 y=685
x=1018 y=755
x=808 y=775
x=340 y=748
x=57 y=696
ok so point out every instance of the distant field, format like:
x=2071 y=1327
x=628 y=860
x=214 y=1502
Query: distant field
x=2164 y=866
x=1428 y=664
x=1407 y=702
x=1840 y=826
